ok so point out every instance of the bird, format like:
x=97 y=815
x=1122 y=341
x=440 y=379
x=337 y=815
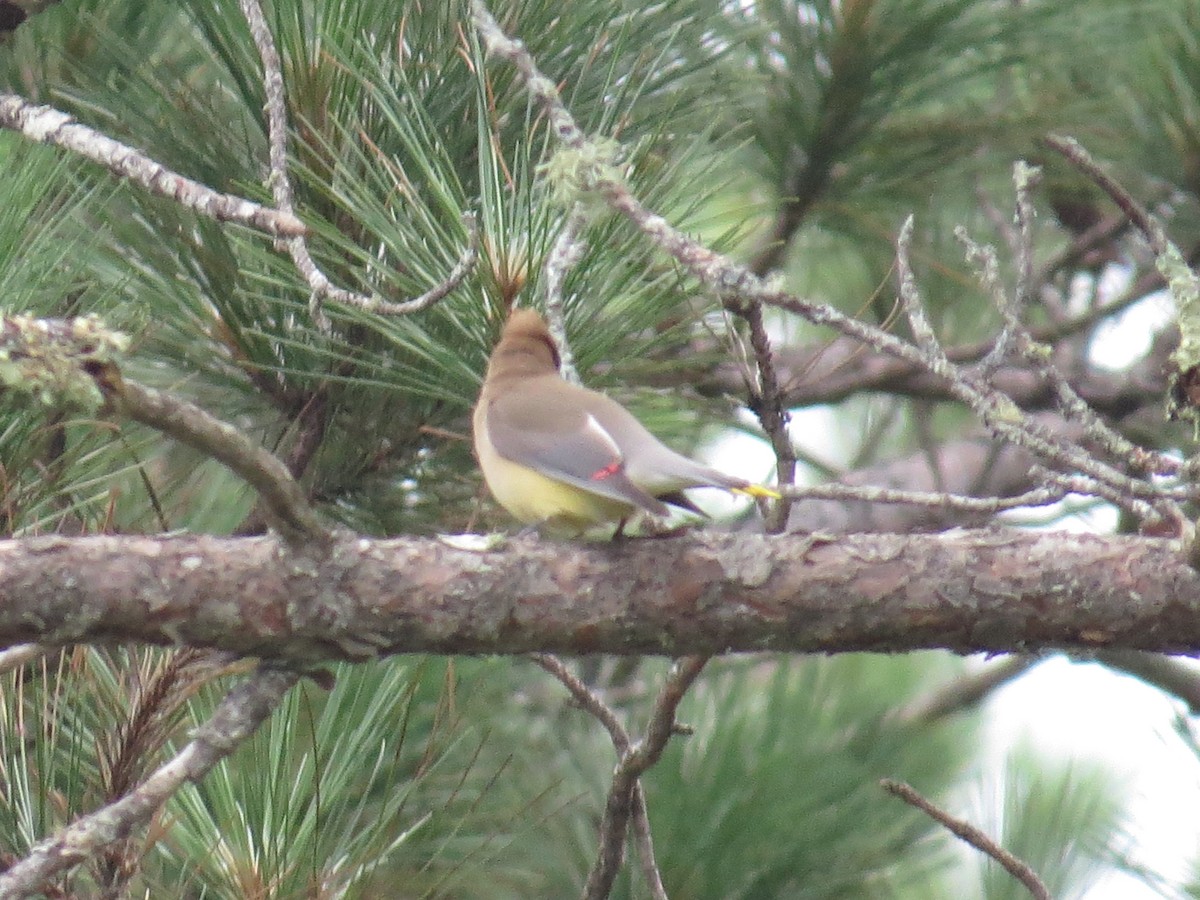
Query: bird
x=567 y=459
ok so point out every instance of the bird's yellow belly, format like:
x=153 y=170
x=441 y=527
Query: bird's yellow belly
x=537 y=499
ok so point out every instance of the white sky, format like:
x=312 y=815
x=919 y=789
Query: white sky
x=1085 y=711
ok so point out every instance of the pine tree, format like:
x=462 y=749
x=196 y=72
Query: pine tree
x=795 y=137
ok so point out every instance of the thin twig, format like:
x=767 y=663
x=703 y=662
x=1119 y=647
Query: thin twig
x=234 y=720
x=644 y=754
x=1183 y=283
x=645 y=844
x=566 y=251
x=1143 y=510
x=588 y=699
x=1039 y=496
x=50 y=126
x=1011 y=306
x=766 y=401
x=1038 y=358
x=461 y=269
x=662 y=717
x=1073 y=151
x=972 y=835
x=1002 y=416
x=1036 y=355
x=1077 y=251
x=320 y=285
x=1025 y=179
x=626 y=801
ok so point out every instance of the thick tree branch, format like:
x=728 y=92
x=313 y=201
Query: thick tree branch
x=994 y=591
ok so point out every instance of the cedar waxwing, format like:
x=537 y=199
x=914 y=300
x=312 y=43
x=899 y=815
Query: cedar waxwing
x=561 y=456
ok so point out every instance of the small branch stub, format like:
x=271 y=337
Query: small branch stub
x=55 y=360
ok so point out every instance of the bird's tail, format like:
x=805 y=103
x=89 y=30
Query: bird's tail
x=757 y=490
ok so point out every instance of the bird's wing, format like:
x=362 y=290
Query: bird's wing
x=565 y=442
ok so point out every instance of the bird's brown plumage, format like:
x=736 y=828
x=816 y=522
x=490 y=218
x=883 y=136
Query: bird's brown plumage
x=560 y=455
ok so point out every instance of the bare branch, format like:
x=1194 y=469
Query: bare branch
x=973 y=465
x=287 y=507
x=973 y=836
x=1038 y=356
x=281 y=188
x=1084 y=246
x=276 y=105
x=645 y=844
x=1183 y=283
x=1007 y=421
x=564 y=254
x=1150 y=228
x=234 y=720
x=766 y=401
x=1040 y=496
x=587 y=699
x=49 y=126
x=462 y=268
x=662 y=718
x=640 y=757
x=631 y=802
x=832 y=371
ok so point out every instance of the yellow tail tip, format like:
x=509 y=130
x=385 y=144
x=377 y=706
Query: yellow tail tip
x=757 y=490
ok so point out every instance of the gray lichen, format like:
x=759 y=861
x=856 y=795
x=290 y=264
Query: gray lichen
x=54 y=361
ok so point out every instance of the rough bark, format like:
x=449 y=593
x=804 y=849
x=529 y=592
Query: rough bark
x=996 y=591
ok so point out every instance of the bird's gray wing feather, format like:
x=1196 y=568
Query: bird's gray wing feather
x=577 y=450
